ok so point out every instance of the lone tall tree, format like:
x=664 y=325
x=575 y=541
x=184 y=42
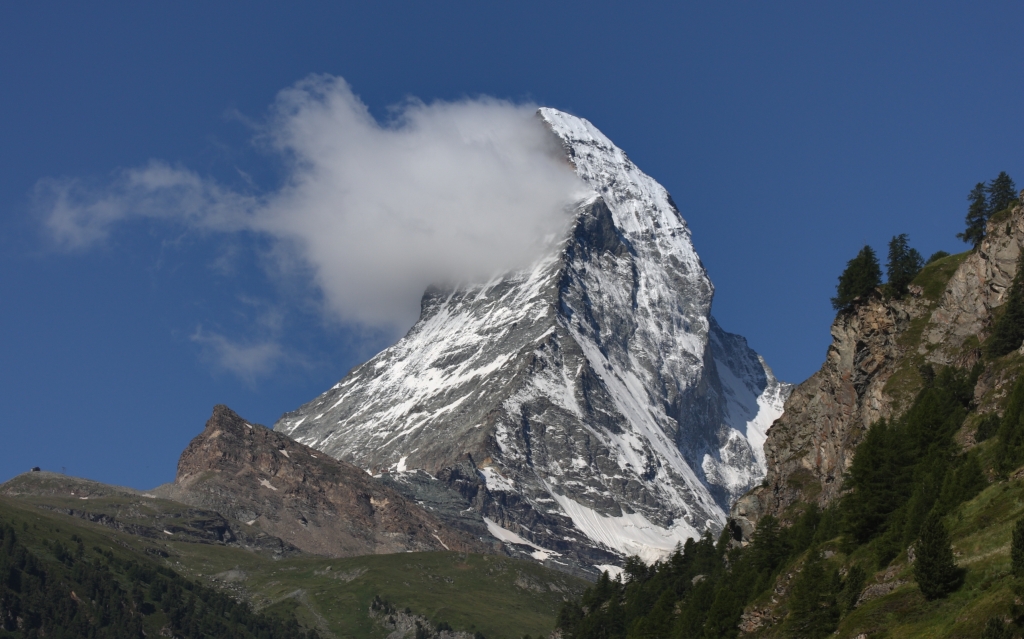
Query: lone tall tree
x=935 y=569
x=977 y=216
x=861 y=277
x=1017 y=550
x=1001 y=193
x=903 y=266
x=813 y=610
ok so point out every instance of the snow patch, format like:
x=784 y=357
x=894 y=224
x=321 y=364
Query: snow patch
x=495 y=481
x=629 y=534
x=506 y=535
x=613 y=571
x=441 y=542
x=267 y=484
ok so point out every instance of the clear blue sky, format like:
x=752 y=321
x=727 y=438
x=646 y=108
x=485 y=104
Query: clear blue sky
x=789 y=134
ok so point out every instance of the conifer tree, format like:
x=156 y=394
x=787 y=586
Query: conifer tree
x=935 y=569
x=1008 y=333
x=977 y=216
x=852 y=586
x=769 y=547
x=1010 y=452
x=1002 y=192
x=996 y=628
x=903 y=266
x=861 y=277
x=873 y=484
x=1017 y=550
x=813 y=610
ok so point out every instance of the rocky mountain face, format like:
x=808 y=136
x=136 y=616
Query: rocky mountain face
x=273 y=484
x=870 y=371
x=588 y=407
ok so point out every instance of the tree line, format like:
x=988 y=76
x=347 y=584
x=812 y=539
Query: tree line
x=987 y=200
x=863 y=275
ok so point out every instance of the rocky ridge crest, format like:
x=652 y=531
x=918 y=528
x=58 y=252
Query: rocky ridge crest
x=321 y=505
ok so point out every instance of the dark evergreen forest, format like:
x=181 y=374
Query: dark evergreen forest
x=75 y=593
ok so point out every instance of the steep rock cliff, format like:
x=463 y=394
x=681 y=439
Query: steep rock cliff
x=870 y=370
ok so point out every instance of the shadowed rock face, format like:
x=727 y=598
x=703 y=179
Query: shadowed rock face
x=320 y=505
x=588 y=404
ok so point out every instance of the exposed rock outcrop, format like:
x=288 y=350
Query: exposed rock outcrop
x=810 y=447
x=321 y=505
x=977 y=287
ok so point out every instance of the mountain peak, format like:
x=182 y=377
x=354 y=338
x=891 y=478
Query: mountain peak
x=590 y=404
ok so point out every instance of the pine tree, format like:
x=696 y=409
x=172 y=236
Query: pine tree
x=996 y=628
x=813 y=610
x=935 y=569
x=903 y=266
x=1002 y=192
x=1010 y=452
x=977 y=216
x=861 y=277
x=1017 y=550
x=873 y=484
x=768 y=549
x=1008 y=333
x=852 y=586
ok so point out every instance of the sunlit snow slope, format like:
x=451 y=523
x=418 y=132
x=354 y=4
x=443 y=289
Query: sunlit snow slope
x=589 y=407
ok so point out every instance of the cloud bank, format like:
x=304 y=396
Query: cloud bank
x=446 y=192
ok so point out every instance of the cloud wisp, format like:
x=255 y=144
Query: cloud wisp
x=446 y=192
x=246 y=360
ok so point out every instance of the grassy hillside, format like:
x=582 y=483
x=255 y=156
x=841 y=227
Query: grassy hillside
x=495 y=596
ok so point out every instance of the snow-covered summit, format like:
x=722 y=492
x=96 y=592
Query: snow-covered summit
x=588 y=406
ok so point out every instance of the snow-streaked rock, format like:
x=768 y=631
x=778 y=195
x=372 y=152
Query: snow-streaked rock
x=590 y=405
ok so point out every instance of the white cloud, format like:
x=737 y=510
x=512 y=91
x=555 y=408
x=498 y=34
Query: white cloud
x=247 y=360
x=445 y=192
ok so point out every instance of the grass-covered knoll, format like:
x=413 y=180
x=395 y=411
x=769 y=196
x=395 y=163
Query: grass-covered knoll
x=934 y=276
x=496 y=596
